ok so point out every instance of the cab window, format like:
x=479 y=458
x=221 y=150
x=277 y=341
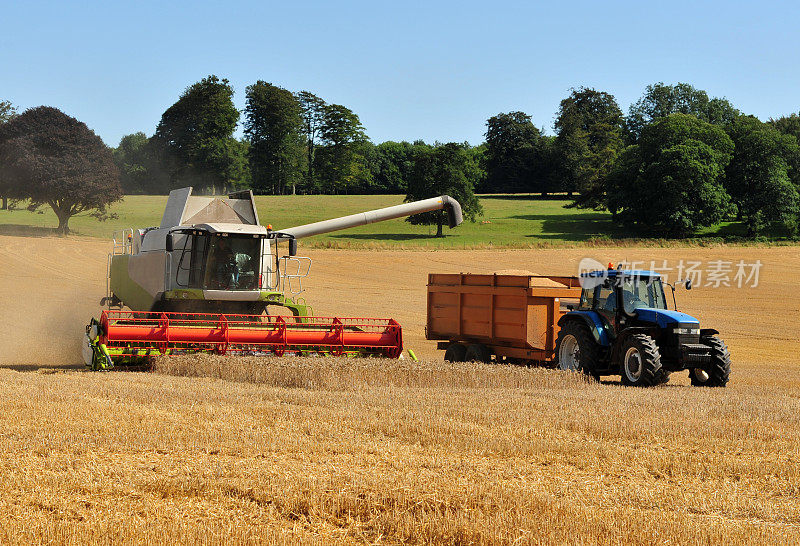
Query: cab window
x=232 y=263
x=606 y=298
x=587 y=299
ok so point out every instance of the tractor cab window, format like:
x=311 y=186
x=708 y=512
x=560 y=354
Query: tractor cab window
x=600 y=297
x=587 y=299
x=232 y=263
x=606 y=298
x=642 y=292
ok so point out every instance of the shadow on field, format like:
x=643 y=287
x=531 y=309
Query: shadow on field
x=41 y=368
x=526 y=197
x=387 y=236
x=21 y=230
x=572 y=227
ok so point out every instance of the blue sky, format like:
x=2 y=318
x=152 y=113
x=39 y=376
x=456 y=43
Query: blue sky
x=430 y=70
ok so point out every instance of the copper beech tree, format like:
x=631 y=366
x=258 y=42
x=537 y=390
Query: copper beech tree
x=50 y=158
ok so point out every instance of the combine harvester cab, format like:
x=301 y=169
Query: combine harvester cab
x=202 y=281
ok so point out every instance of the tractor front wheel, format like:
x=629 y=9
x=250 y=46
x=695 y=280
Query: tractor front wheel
x=641 y=362
x=717 y=372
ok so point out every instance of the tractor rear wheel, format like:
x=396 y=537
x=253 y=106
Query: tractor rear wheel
x=576 y=350
x=455 y=352
x=641 y=362
x=478 y=353
x=716 y=372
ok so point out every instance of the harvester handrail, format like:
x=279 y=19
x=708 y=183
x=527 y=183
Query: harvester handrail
x=108 y=281
x=123 y=241
x=287 y=279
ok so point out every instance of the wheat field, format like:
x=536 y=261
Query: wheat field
x=266 y=450
x=258 y=450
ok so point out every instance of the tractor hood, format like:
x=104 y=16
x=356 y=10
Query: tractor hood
x=665 y=317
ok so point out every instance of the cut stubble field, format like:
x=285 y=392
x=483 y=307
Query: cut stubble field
x=277 y=450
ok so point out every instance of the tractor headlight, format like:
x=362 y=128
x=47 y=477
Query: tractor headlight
x=687 y=331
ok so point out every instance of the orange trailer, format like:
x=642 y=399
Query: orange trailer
x=510 y=317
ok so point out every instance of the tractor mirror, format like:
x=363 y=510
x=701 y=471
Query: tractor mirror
x=688 y=284
x=169 y=243
x=292 y=247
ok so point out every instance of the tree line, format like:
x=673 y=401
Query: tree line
x=292 y=143
x=677 y=162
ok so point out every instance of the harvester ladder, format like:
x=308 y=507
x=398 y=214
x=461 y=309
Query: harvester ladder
x=300 y=266
x=123 y=241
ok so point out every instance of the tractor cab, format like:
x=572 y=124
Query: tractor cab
x=624 y=298
x=624 y=326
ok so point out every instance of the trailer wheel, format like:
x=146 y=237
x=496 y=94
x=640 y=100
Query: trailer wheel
x=641 y=362
x=576 y=350
x=455 y=352
x=478 y=353
x=716 y=372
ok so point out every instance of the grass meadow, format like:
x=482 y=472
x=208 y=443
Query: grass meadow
x=509 y=221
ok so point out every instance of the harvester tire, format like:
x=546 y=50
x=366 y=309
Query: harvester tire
x=718 y=370
x=580 y=351
x=478 y=353
x=455 y=352
x=640 y=364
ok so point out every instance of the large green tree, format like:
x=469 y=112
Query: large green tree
x=340 y=163
x=7 y=112
x=447 y=169
x=273 y=126
x=589 y=138
x=758 y=177
x=788 y=125
x=660 y=100
x=195 y=136
x=140 y=169
x=392 y=165
x=53 y=159
x=671 y=182
x=132 y=163
x=313 y=111
x=513 y=155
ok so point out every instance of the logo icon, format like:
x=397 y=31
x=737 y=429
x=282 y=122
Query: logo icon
x=589 y=265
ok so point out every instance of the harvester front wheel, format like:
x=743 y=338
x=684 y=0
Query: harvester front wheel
x=455 y=352
x=576 y=350
x=641 y=362
x=717 y=372
x=478 y=353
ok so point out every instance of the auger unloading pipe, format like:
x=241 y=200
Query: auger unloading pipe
x=443 y=202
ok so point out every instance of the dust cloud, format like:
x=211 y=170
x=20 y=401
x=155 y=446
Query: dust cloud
x=51 y=288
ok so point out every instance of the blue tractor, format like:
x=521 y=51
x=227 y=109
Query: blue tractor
x=622 y=326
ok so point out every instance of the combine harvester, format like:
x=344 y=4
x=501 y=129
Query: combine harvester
x=201 y=282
